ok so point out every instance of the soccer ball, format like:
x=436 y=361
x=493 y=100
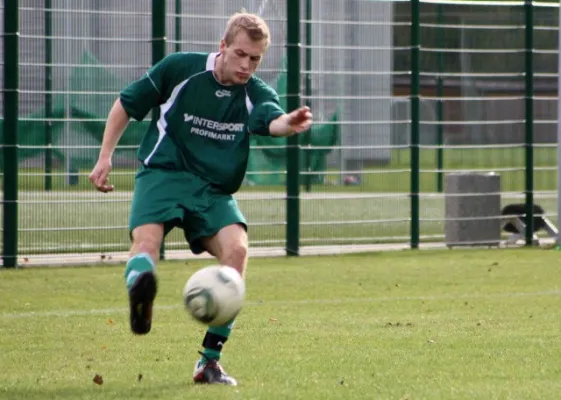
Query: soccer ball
x=214 y=295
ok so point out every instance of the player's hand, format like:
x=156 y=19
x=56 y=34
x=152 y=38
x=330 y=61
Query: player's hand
x=300 y=120
x=100 y=175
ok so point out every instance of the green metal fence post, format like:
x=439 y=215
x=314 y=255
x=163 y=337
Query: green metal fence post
x=308 y=90
x=415 y=116
x=48 y=96
x=177 y=26
x=293 y=149
x=159 y=51
x=10 y=150
x=158 y=30
x=529 y=126
x=440 y=103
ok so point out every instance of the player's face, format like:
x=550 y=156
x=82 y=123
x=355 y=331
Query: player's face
x=241 y=58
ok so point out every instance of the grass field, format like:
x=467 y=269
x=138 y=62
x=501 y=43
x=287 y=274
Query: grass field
x=470 y=324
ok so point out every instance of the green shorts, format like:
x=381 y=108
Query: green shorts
x=181 y=199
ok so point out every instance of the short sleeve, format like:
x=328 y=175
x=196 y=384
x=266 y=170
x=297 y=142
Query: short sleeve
x=150 y=90
x=266 y=108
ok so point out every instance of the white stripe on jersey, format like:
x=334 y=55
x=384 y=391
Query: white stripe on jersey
x=164 y=108
x=210 y=61
x=152 y=82
x=248 y=103
x=249 y=106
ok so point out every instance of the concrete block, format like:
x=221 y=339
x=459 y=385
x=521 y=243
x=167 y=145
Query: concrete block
x=472 y=209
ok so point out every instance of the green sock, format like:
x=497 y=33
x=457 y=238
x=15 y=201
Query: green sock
x=223 y=331
x=139 y=263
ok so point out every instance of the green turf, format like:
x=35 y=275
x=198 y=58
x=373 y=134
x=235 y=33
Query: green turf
x=468 y=324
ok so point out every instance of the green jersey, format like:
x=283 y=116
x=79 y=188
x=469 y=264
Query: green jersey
x=199 y=125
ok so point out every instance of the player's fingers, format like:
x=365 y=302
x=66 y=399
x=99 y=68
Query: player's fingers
x=302 y=114
x=306 y=126
x=305 y=113
x=98 y=182
x=102 y=178
x=299 y=111
x=98 y=187
x=107 y=188
x=302 y=127
x=93 y=176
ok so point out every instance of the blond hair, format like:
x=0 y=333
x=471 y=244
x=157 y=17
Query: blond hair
x=255 y=27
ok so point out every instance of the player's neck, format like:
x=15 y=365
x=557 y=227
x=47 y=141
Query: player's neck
x=218 y=72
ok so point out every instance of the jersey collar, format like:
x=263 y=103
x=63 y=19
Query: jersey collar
x=210 y=61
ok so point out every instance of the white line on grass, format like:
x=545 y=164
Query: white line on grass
x=120 y=310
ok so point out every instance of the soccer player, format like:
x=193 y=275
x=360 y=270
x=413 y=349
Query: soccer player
x=193 y=158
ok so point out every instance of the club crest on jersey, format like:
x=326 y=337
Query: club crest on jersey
x=223 y=93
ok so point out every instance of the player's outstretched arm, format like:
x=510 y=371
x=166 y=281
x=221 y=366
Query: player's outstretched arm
x=297 y=121
x=117 y=121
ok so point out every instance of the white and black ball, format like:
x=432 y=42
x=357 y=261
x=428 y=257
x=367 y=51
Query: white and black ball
x=214 y=295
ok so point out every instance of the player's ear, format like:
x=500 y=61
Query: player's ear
x=222 y=46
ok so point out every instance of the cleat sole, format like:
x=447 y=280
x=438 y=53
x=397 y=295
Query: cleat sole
x=141 y=298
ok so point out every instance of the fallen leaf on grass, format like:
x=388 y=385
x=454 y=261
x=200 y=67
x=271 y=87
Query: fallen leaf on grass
x=98 y=379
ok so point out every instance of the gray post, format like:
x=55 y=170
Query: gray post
x=472 y=209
